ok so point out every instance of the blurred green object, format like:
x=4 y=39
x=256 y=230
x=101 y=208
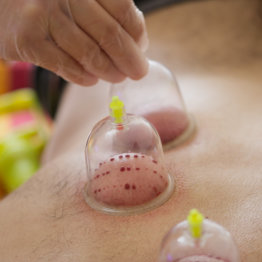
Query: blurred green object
x=24 y=131
x=19 y=161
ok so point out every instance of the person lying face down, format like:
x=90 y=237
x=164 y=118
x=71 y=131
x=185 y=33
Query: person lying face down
x=217 y=171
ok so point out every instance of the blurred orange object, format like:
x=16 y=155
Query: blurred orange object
x=2 y=193
x=5 y=78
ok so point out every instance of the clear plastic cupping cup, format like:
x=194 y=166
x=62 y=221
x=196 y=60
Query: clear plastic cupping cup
x=157 y=98
x=198 y=240
x=125 y=166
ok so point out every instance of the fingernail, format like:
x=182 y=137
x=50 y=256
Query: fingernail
x=88 y=79
x=144 y=42
x=143 y=69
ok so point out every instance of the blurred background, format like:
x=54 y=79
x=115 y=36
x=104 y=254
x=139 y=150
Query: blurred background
x=29 y=97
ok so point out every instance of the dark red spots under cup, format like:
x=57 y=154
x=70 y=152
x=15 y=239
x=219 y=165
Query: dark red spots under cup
x=128 y=180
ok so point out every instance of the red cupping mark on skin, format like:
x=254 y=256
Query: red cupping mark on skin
x=120 y=127
x=131 y=180
x=170 y=122
x=201 y=259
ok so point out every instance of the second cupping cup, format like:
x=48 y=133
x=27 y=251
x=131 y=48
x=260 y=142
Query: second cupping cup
x=157 y=98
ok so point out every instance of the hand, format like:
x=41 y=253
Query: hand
x=80 y=40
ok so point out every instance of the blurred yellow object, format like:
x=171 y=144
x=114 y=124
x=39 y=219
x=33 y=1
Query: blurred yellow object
x=18 y=100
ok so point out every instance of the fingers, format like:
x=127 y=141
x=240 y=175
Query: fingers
x=81 y=40
x=130 y=18
x=110 y=36
x=32 y=43
x=54 y=59
x=71 y=39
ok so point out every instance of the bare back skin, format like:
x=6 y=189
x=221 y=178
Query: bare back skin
x=215 y=50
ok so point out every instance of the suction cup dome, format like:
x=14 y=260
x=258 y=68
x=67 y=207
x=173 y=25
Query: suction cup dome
x=125 y=167
x=157 y=98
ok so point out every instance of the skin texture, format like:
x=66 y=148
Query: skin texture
x=81 y=41
x=217 y=171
